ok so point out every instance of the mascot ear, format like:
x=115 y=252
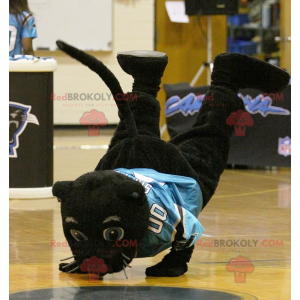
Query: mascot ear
x=132 y=191
x=61 y=189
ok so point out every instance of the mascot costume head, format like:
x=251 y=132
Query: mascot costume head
x=146 y=191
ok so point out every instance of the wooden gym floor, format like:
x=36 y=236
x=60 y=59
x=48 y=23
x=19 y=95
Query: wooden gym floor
x=249 y=216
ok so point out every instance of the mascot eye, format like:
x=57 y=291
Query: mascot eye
x=113 y=234
x=243 y=120
x=236 y=120
x=78 y=236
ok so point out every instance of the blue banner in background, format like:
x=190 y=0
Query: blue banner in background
x=191 y=104
x=267 y=142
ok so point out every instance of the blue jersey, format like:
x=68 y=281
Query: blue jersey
x=20 y=28
x=174 y=203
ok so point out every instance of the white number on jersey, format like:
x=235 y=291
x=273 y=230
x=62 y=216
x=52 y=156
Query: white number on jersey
x=159 y=213
x=12 y=37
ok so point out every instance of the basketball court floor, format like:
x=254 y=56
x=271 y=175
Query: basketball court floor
x=248 y=217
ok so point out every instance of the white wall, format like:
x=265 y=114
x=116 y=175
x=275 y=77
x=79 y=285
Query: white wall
x=133 y=29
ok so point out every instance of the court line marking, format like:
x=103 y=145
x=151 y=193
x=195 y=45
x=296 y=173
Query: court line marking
x=82 y=147
x=252 y=260
x=249 y=194
x=250 y=236
x=261 y=176
x=246 y=296
x=13 y=202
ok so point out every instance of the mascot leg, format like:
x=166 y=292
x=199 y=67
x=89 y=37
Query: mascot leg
x=146 y=68
x=206 y=145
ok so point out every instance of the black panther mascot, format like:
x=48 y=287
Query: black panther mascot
x=145 y=194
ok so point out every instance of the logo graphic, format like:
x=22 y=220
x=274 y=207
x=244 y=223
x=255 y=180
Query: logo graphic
x=240 y=266
x=262 y=104
x=94 y=266
x=191 y=104
x=94 y=119
x=240 y=120
x=19 y=117
x=188 y=105
x=284 y=146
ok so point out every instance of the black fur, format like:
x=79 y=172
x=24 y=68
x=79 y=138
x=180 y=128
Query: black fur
x=200 y=153
x=88 y=201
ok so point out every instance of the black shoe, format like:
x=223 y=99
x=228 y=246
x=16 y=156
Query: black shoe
x=173 y=264
x=146 y=67
x=237 y=71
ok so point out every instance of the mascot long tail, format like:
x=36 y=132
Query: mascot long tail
x=109 y=79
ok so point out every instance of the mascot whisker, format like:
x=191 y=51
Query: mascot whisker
x=147 y=190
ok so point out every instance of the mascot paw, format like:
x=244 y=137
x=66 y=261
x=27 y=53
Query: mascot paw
x=168 y=269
